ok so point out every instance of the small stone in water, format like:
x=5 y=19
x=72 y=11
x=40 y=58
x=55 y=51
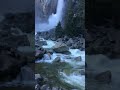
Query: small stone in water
x=78 y=58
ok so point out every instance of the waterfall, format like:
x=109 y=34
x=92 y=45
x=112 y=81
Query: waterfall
x=53 y=19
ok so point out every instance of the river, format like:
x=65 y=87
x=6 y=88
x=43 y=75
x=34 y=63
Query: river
x=71 y=75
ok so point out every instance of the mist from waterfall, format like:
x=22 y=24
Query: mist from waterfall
x=53 y=19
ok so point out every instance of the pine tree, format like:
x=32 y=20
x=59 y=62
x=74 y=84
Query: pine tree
x=69 y=24
x=59 y=31
x=74 y=21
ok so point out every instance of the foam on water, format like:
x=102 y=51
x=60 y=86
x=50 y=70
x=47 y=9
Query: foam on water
x=73 y=79
x=50 y=44
x=74 y=53
x=76 y=80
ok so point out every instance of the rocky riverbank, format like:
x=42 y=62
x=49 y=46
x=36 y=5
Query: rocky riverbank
x=73 y=43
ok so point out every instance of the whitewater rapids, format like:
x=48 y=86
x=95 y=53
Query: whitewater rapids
x=73 y=79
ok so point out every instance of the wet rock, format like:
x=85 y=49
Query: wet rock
x=60 y=48
x=37 y=76
x=37 y=87
x=45 y=87
x=105 y=77
x=40 y=53
x=43 y=42
x=57 y=59
x=70 y=42
x=40 y=43
x=68 y=57
x=55 y=88
x=82 y=72
x=47 y=56
x=39 y=80
x=78 y=58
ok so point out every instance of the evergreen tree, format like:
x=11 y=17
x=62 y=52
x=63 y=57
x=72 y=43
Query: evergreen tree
x=59 y=31
x=74 y=21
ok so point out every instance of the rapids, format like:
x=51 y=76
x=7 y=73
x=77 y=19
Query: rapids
x=74 y=79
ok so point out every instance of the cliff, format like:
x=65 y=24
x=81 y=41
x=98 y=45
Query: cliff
x=44 y=8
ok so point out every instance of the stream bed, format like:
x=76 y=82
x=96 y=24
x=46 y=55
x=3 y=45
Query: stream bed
x=69 y=73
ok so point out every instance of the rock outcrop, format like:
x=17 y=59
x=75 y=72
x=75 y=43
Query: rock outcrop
x=44 y=8
x=60 y=47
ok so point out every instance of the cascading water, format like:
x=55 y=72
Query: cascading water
x=53 y=19
x=74 y=78
x=70 y=68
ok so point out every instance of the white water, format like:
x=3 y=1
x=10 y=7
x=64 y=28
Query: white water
x=73 y=79
x=53 y=20
x=76 y=80
x=50 y=44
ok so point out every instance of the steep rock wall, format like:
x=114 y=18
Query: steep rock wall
x=44 y=8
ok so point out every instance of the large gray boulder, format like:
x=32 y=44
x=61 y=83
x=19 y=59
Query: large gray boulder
x=60 y=48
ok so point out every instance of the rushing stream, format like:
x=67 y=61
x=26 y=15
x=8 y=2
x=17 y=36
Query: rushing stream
x=71 y=68
x=74 y=77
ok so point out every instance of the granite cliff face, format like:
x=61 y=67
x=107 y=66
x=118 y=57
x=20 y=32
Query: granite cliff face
x=44 y=8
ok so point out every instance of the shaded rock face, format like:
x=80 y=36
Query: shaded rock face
x=57 y=59
x=10 y=63
x=13 y=40
x=23 y=21
x=14 y=30
x=100 y=40
x=103 y=28
x=44 y=8
x=14 y=68
x=105 y=77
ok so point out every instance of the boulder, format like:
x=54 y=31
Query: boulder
x=82 y=72
x=47 y=56
x=45 y=87
x=78 y=58
x=60 y=48
x=57 y=59
x=105 y=77
x=37 y=87
x=40 y=43
x=43 y=42
x=39 y=54
x=37 y=76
